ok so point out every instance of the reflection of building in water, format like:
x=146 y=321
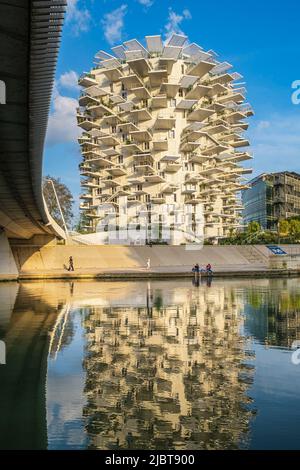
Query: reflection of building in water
x=273 y=313
x=166 y=374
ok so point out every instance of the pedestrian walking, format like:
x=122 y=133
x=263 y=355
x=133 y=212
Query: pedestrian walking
x=71 y=264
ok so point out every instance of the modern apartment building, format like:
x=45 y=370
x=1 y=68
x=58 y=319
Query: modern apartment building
x=163 y=129
x=272 y=197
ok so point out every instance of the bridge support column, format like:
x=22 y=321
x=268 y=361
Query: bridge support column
x=8 y=267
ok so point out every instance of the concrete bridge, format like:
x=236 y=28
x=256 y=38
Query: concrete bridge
x=30 y=33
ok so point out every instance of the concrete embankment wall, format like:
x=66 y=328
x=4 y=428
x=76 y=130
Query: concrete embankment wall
x=122 y=257
x=92 y=259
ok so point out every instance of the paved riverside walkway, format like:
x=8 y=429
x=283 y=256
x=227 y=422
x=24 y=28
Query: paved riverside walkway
x=129 y=262
x=157 y=273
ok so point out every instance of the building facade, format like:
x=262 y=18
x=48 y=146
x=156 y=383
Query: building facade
x=163 y=130
x=272 y=197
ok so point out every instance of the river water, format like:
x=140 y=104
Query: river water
x=150 y=365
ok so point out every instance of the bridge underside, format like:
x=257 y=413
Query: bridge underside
x=29 y=37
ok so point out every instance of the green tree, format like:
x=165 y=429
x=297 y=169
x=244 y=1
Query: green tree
x=82 y=223
x=284 y=228
x=253 y=227
x=64 y=196
x=295 y=228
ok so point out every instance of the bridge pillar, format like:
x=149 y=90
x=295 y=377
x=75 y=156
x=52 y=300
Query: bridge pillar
x=8 y=267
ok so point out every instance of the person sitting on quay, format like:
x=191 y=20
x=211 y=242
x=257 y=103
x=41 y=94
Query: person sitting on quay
x=209 y=269
x=196 y=269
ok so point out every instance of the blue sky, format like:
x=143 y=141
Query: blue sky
x=260 y=39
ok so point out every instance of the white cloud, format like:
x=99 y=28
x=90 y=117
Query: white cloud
x=62 y=125
x=146 y=3
x=261 y=125
x=275 y=143
x=113 y=23
x=174 y=21
x=69 y=80
x=78 y=18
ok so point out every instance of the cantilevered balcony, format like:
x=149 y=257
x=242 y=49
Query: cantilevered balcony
x=223 y=79
x=157 y=77
x=88 y=147
x=231 y=96
x=89 y=184
x=132 y=81
x=188 y=188
x=194 y=199
x=134 y=180
x=187 y=81
x=155 y=178
x=141 y=135
x=85 y=99
x=164 y=122
x=234 y=117
x=117 y=170
x=189 y=146
x=99 y=161
x=237 y=157
x=126 y=127
x=193 y=177
x=84 y=206
x=93 y=215
x=191 y=141
x=199 y=114
x=140 y=114
x=112 y=74
x=185 y=104
x=172 y=167
x=84 y=139
x=213 y=149
x=143 y=163
x=159 y=101
x=168 y=188
x=170 y=89
x=109 y=140
x=198 y=158
x=109 y=182
x=116 y=99
x=130 y=148
x=139 y=65
x=217 y=89
x=158 y=199
x=133 y=200
x=200 y=69
x=197 y=92
x=87 y=123
x=126 y=107
x=111 y=152
x=111 y=119
x=237 y=143
x=87 y=79
x=213 y=129
x=160 y=143
x=86 y=196
x=141 y=92
x=99 y=110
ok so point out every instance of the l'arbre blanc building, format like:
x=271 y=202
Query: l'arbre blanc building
x=163 y=127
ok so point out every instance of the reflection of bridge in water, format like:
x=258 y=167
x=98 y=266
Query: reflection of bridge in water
x=166 y=365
